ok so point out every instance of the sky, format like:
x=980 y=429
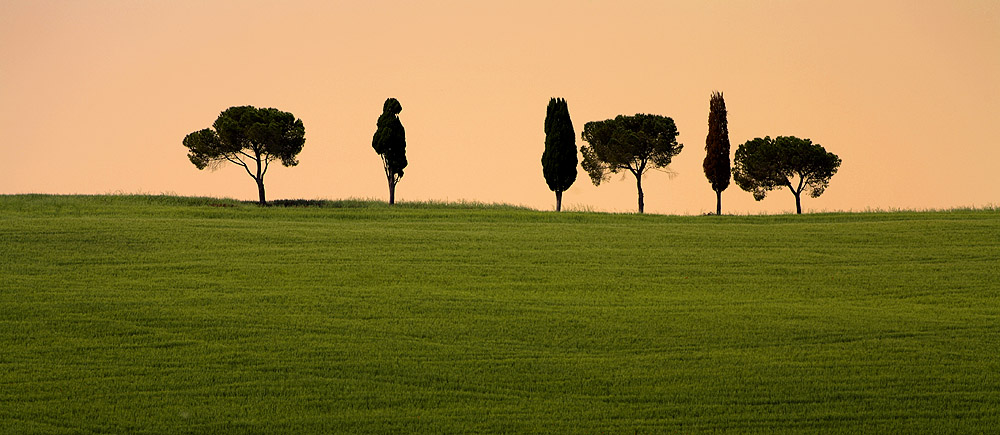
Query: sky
x=96 y=96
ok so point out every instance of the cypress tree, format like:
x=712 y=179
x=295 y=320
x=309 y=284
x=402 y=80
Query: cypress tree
x=716 y=165
x=559 y=158
x=390 y=143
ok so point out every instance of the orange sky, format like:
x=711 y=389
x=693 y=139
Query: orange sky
x=96 y=96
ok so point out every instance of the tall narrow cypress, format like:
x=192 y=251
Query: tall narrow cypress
x=716 y=165
x=559 y=158
x=389 y=142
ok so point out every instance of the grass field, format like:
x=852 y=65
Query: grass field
x=140 y=314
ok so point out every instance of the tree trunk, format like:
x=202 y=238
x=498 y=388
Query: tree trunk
x=558 y=200
x=392 y=192
x=718 y=203
x=260 y=191
x=638 y=185
x=798 y=193
x=260 y=181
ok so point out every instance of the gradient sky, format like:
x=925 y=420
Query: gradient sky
x=96 y=96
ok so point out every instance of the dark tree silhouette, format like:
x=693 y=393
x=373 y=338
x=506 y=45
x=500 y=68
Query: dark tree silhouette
x=762 y=165
x=716 y=163
x=390 y=143
x=559 y=159
x=629 y=143
x=249 y=137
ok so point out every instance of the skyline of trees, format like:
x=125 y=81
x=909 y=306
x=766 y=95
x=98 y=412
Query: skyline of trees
x=252 y=138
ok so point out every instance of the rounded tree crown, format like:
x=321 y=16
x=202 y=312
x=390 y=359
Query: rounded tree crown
x=633 y=143
x=765 y=164
x=246 y=130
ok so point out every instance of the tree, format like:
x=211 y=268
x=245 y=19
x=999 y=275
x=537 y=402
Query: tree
x=716 y=163
x=390 y=143
x=248 y=137
x=633 y=143
x=559 y=158
x=762 y=165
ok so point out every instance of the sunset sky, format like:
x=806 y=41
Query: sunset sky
x=96 y=96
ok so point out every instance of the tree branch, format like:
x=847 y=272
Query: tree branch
x=267 y=162
x=788 y=184
x=240 y=162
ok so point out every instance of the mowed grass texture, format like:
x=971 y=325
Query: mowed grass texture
x=146 y=314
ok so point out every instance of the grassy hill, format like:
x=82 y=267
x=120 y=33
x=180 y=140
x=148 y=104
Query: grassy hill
x=141 y=314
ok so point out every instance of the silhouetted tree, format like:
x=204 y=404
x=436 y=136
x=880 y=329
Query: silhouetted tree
x=633 y=143
x=716 y=163
x=248 y=137
x=390 y=143
x=762 y=165
x=559 y=158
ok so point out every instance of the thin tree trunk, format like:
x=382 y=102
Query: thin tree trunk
x=798 y=194
x=558 y=200
x=390 y=178
x=638 y=185
x=718 y=203
x=260 y=191
x=260 y=181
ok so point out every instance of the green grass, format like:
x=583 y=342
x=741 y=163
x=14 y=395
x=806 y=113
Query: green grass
x=157 y=314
